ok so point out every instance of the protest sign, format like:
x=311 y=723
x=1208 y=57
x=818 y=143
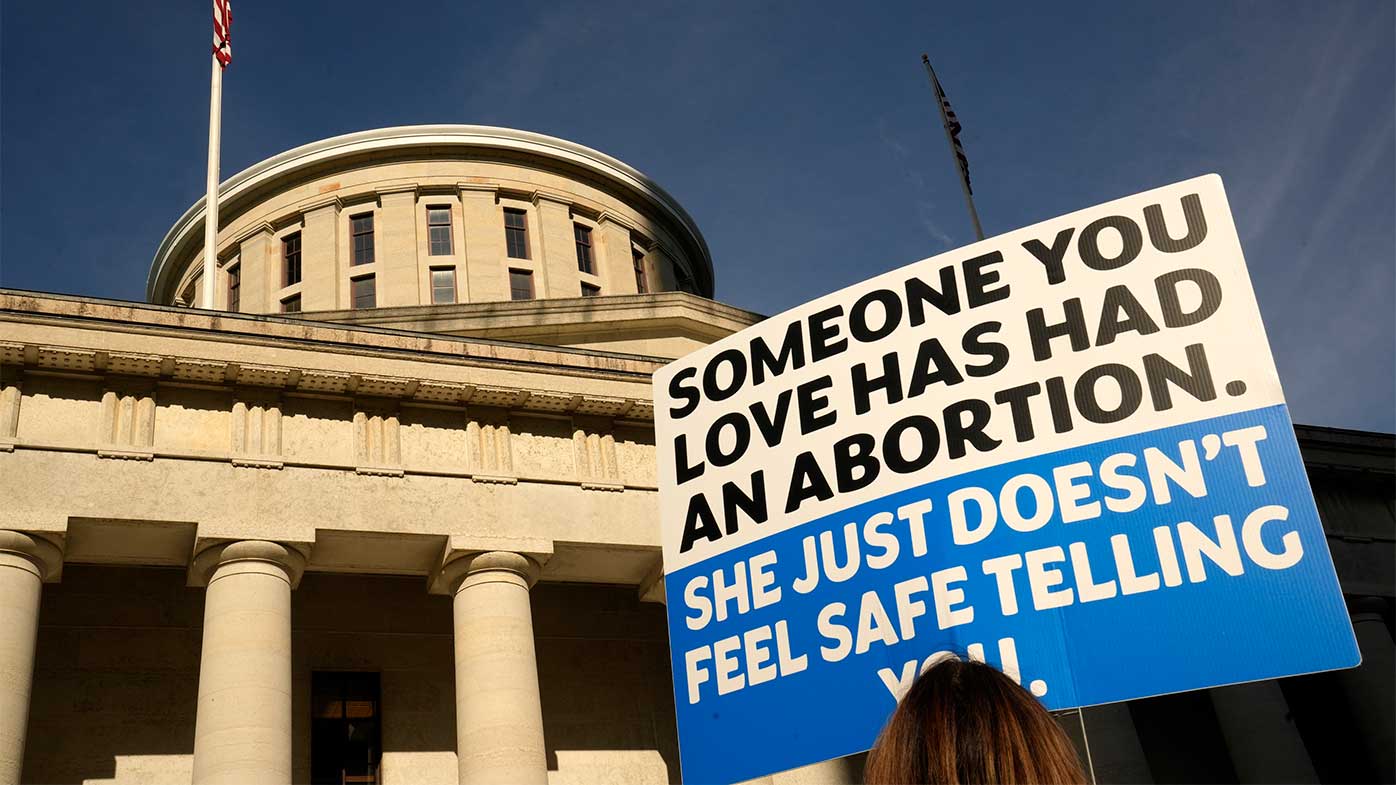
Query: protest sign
x=1063 y=450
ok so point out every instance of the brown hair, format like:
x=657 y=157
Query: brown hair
x=966 y=723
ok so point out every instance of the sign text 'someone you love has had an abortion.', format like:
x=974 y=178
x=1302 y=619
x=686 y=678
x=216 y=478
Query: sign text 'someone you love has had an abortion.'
x=1102 y=393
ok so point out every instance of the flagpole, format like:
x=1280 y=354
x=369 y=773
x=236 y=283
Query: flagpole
x=215 y=112
x=950 y=140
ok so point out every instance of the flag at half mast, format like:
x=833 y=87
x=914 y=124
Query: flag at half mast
x=223 y=32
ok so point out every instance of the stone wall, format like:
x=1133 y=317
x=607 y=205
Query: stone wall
x=116 y=678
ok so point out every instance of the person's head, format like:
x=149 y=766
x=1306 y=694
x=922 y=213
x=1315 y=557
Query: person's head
x=966 y=723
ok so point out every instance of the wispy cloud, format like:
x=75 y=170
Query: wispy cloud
x=1347 y=47
x=503 y=82
x=926 y=207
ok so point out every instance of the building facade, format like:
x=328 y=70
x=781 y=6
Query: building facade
x=385 y=510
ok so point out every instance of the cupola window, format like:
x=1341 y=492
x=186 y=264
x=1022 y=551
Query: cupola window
x=582 y=234
x=235 y=287
x=361 y=230
x=439 y=230
x=443 y=285
x=291 y=259
x=362 y=292
x=637 y=258
x=516 y=233
x=520 y=285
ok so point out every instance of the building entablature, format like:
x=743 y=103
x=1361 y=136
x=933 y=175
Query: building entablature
x=146 y=435
x=309 y=356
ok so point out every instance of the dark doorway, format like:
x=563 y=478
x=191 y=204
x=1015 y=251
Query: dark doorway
x=344 y=728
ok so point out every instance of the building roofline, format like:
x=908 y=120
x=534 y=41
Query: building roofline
x=585 y=307
x=133 y=315
x=319 y=153
x=1347 y=449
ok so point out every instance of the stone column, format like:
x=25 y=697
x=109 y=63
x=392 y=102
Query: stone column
x=399 y=279
x=617 y=260
x=243 y=729
x=499 y=715
x=1370 y=686
x=324 y=286
x=26 y=561
x=1264 y=744
x=261 y=269
x=484 y=272
x=556 y=251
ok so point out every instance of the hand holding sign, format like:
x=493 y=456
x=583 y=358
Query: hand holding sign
x=1063 y=450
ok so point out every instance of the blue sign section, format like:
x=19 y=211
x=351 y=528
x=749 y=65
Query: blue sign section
x=1171 y=560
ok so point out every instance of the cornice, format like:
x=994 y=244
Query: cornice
x=317 y=381
x=325 y=342
x=558 y=308
x=299 y=332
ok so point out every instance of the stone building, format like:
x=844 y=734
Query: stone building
x=385 y=510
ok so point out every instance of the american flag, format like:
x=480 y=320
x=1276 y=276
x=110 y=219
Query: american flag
x=223 y=32
x=952 y=123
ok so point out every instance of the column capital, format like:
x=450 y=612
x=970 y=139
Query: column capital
x=401 y=189
x=464 y=555
x=257 y=228
x=287 y=557
x=44 y=555
x=457 y=570
x=540 y=196
x=25 y=561
x=332 y=200
x=608 y=217
x=490 y=190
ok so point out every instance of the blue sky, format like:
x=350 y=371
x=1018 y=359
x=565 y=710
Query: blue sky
x=802 y=136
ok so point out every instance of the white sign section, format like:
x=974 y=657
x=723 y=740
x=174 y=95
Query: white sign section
x=1063 y=450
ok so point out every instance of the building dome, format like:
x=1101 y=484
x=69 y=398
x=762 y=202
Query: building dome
x=432 y=215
